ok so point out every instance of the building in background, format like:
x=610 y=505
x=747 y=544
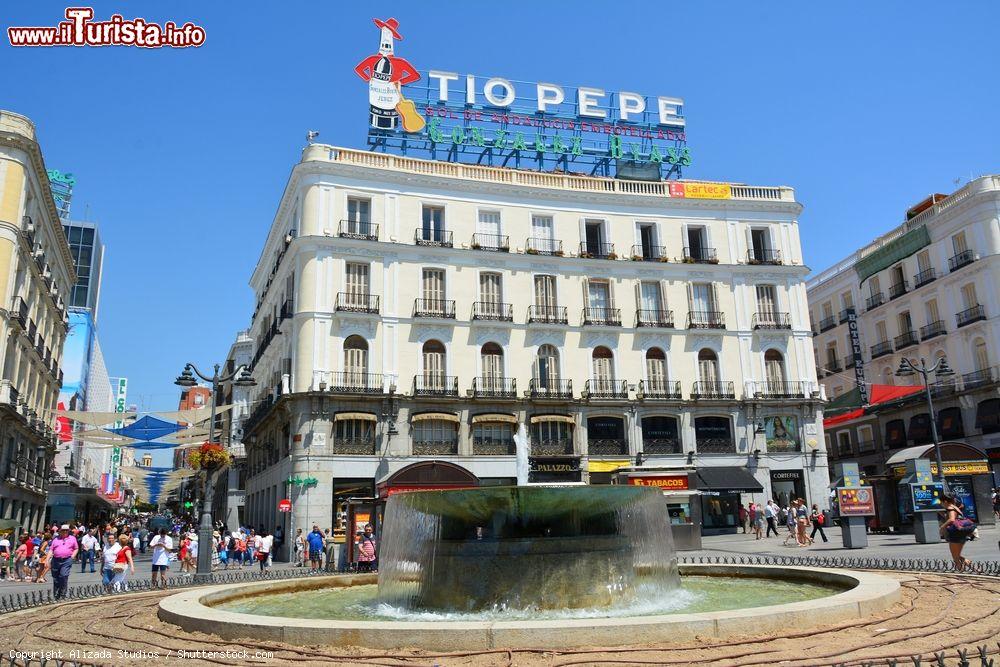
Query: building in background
x=230 y=494
x=927 y=289
x=37 y=276
x=191 y=398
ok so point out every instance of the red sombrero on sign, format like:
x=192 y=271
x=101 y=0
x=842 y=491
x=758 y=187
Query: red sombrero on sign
x=391 y=24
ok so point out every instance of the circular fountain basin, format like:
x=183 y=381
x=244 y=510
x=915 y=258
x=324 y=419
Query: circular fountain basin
x=851 y=595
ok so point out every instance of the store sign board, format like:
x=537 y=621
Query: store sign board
x=857 y=353
x=953 y=468
x=285 y=505
x=693 y=190
x=927 y=497
x=665 y=482
x=855 y=501
x=463 y=117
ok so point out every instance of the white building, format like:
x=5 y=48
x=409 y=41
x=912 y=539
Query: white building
x=230 y=494
x=412 y=311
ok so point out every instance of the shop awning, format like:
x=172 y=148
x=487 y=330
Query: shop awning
x=848 y=407
x=351 y=416
x=493 y=418
x=553 y=418
x=443 y=416
x=728 y=479
x=608 y=466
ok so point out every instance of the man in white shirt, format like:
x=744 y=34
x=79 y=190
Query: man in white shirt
x=771 y=514
x=110 y=555
x=4 y=555
x=162 y=545
x=88 y=551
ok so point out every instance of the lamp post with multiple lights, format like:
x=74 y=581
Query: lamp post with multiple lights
x=940 y=369
x=205 y=527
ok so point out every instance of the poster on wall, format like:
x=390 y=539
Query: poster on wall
x=962 y=489
x=781 y=432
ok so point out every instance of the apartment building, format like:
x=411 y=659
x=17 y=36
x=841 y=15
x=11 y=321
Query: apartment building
x=928 y=289
x=37 y=274
x=423 y=323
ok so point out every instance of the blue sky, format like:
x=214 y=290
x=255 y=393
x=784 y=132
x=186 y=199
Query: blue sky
x=182 y=155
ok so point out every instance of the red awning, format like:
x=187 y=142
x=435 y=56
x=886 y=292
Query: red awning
x=877 y=394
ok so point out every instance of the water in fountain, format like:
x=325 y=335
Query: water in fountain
x=535 y=547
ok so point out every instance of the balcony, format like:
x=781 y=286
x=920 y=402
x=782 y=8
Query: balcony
x=614 y=447
x=435 y=447
x=898 y=289
x=493 y=447
x=963 y=258
x=845 y=314
x=438 y=238
x=661 y=446
x=866 y=446
x=432 y=384
x=659 y=390
x=605 y=317
x=924 y=277
x=763 y=256
x=550 y=388
x=357 y=302
x=713 y=390
x=771 y=320
x=547 y=315
x=649 y=253
x=832 y=366
x=706 y=319
x=287 y=311
x=700 y=256
x=881 y=349
x=491 y=242
x=32 y=330
x=492 y=311
x=715 y=446
x=597 y=250
x=974 y=314
x=537 y=245
x=494 y=387
x=356 y=382
x=434 y=308
x=874 y=301
x=771 y=389
x=353 y=229
x=552 y=448
x=662 y=319
x=353 y=446
x=609 y=389
x=980 y=378
x=19 y=311
x=906 y=339
x=849 y=361
x=943 y=388
x=932 y=330
x=264 y=340
x=827 y=323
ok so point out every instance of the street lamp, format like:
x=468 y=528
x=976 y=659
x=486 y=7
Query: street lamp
x=940 y=369
x=205 y=528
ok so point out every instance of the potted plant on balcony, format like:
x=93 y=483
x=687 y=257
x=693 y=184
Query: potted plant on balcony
x=557 y=253
x=636 y=258
x=531 y=251
x=663 y=258
x=475 y=245
x=585 y=255
x=612 y=255
x=688 y=259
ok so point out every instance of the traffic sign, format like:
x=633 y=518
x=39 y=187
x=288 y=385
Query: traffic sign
x=285 y=505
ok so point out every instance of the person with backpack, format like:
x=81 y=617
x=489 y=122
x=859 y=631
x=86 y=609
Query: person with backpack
x=957 y=529
x=818 y=519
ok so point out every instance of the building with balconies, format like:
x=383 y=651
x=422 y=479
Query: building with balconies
x=36 y=275
x=928 y=288
x=413 y=312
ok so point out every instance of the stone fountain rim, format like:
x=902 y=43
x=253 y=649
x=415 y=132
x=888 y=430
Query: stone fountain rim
x=868 y=593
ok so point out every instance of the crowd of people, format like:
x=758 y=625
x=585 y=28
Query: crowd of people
x=762 y=519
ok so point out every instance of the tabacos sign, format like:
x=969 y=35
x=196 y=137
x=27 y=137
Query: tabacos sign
x=495 y=120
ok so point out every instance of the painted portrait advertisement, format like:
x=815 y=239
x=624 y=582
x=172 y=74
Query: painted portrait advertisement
x=781 y=432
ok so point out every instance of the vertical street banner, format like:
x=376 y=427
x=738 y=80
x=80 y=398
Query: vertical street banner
x=859 y=363
x=121 y=391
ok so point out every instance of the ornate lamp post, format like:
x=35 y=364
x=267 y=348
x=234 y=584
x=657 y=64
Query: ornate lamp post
x=205 y=528
x=940 y=369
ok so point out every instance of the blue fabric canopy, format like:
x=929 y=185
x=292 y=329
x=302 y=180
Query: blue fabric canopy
x=152 y=445
x=148 y=428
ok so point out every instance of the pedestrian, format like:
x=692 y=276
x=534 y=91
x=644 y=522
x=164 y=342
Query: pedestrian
x=957 y=530
x=182 y=553
x=315 y=540
x=744 y=518
x=143 y=539
x=63 y=549
x=5 y=555
x=758 y=521
x=264 y=544
x=124 y=564
x=279 y=541
x=801 y=521
x=109 y=554
x=162 y=547
x=300 y=548
x=771 y=515
x=216 y=538
x=88 y=551
x=790 y=523
x=20 y=554
x=193 y=548
x=42 y=567
x=367 y=551
x=817 y=519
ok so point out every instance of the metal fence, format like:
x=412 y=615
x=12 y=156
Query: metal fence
x=983 y=568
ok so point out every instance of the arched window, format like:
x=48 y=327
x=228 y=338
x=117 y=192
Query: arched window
x=434 y=365
x=708 y=367
x=491 y=356
x=603 y=378
x=546 y=371
x=660 y=435
x=355 y=361
x=435 y=436
x=656 y=371
x=774 y=371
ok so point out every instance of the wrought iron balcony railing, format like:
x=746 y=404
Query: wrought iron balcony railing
x=844 y=315
x=924 y=277
x=874 y=301
x=763 y=256
x=539 y=245
x=355 y=229
x=980 y=378
x=433 y=237
x=435 y=447
x=437 y=308
x=287 y=311
x=552 y=388
x=662 y=319
x=19 y=311
x=493 y=310
x=612 y=389
x=432 y=384
x=651 y=390
x=827 y=323
x=701 y=255
x=961 y=259
x=356 y=382
x=661 y=446
x=491 y=242
x=493 y=447
x=771 y=320
x=357 y=302
x=547 y=315
x=494 y=387
x=906 y=339
x=897 y=290
x=970 y=315
x=595 y=250
x=849 y=361
x=607 y=447
x=881 y=349
x=608 y=317
x=552 y=448
x=779 y=389
x=706 y=319
x=355 y=446
x=715 y=446
x=933 y=329
x=713 y=390
x=649 y=253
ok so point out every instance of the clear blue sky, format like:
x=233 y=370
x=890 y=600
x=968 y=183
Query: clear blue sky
x=182 y=155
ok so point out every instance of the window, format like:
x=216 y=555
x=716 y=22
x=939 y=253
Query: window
x=491 y=357
x=660 y=435
x=702 y=299
x=760 y=240
x=866 y=439
x=435 y=436
x=847 y=300
x=606 y=436
x=490 y=294
x=931 y=311
x=650 y=297
x=551 y=437
x=543 y=234
x=969 y=298
x=958 y=243
x=844 y=443
x=656 y=370
x=356 y=360
x=649 y=248
x=832 y=358
x=489 y=224
x=598 y=294
x=923 y=261
x=434 y=365
x=895 y=434
x=545 y=292
x=766 y=302
x=697 y=242
x=713 y=434
x=355 y=431
x=358 y=215
x=433 y=290
x=546 y=371
x=898 y=277
x=603 y=370
x=774 y=370
x=950 y=424
x=827 y=310
x=496 y=438
x=594 y=238
x=708 y=367
x=357 y=285
x=432 y=228
x=874 y=287
x=980 y=357
x=880 y=332
x=905 y=323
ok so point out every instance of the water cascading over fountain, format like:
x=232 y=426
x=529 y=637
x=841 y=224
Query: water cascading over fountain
x=527 y=547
